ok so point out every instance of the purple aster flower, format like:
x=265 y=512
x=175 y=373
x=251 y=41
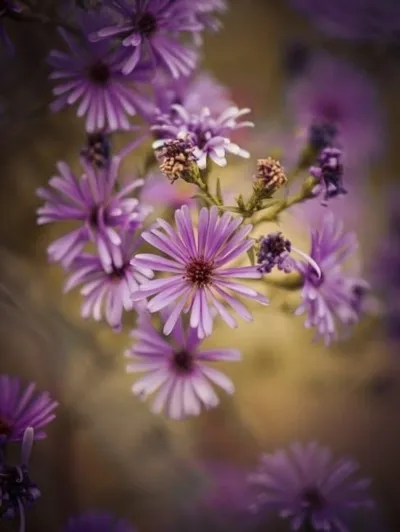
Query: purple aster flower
x=177 y=369
x=94 y=203
x=209 y=134
x=333 y=103
x=109 y=278
x=17 y=491
x=199 y=278
x=329 y=170
x=366 y=20
x=334 y=296
x=91 y=76
x=152 y=29
x=7 y=7
x=305 y=485
x=22 y=409
x=97 y=521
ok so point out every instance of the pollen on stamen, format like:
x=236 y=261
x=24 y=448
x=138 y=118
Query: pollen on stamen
x=199 y=272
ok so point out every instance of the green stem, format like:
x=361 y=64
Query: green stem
x=206 y=192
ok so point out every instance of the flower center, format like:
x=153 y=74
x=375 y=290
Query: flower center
x=199 y=272
x=182 y=361
x=146 y=24
x=99 y=73
x=5 y=427
x=313 y=500
x=117 y=274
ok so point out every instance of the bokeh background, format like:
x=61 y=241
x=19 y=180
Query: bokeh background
x=105 y=449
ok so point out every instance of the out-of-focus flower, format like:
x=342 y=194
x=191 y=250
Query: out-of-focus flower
x=329 y=170
x=334 y=103
x=109 y=278
x=206 y=12
x=91 y=76
x=7 y=7
x=91 y=200
x=17 y=491
x=152 y=30
x=210 y=135
x=97 y=521
x=334 y=296
x=177 y=369
x=304 y=484
x=162 y=193
x=366 y=20
x=199 y=278
x=22 y=409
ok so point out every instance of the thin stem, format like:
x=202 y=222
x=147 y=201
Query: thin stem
x=206 y=192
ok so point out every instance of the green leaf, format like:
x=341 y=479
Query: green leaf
x=218 y=192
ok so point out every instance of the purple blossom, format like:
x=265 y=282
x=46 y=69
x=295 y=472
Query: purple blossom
x=94 y=202
x=210 y=135
x=91 y=76
x=22 y=409
x=109 y=278
x=199 y=280
x=152 y=30
x=206 y=11
x=275 y=251
x=334 y=296
x=329 y=170
x=306 y=486
x=177 y=369
x=97 y=521
x=7 y=7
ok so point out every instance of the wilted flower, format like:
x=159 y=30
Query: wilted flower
x=198 y=279
x=20 y=409
x=209 y=135
x=91 y=76
x=153 y=30
x=304 y=484
x=334 y=296
x=7 y=7
x=177 y=369
x=177 y=160
x=329 y=170
x=269 y=178
x=97 y=521
x=109 y=279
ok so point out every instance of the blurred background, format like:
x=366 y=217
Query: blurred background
x=106 y=450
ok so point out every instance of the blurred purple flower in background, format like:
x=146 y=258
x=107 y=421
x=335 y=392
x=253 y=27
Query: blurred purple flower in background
x=210 y=135
x=304 y=484
x=329 y=170
x=7 y=7
x=97 y=521
x=20 y=409
x=334 y=296
x=206 y=12
x=367 y=20
x=152 y=30
x=160 y=192
x=91 y=76
x=176 y=369
x=199 y=279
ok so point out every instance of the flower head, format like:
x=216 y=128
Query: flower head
x=199 y=278
x=210 y=135
x=176 y=369
x=108 y=278
x=304 y=484
x=91 y=76
x=22 y=409
x=153 y=29
x=206 y=12
x=334 y=296
x=274 y=250
x=330 y=172
x=270 y=177
x=177 y=160
x=97 y=521
x=93 y=201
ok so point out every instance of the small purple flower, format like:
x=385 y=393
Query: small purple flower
x=198 y=280
x=210 y=135
x=91 y=76
x=152 y=29
x=329 y=170
x=109 y=279
x=22 y=409
x=177 y=369
x=7 y=7
x=334 y=296
x=97 y=521
x=275 y=251
x=93 y=202
x=304 y=485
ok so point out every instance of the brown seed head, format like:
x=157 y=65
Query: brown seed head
x=270 y=175
x=177 y=160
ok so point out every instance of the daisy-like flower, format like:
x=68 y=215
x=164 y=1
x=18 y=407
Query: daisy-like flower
x=94 y=202
x=305 y=485
x=108 y=280
x=210 y=135
x=97 y=521
x=20 y=409
x=17 y=491
x=334 y=296
x=152 y=29
x=199 y=279
x=91 y=77
x=176 y=369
